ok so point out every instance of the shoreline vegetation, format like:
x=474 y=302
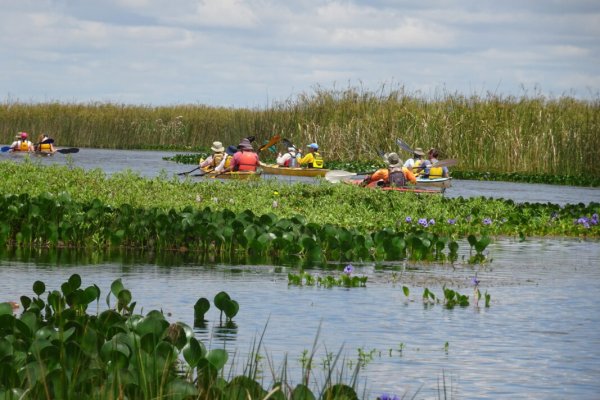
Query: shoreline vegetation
x=319 y=204
x=488 y=134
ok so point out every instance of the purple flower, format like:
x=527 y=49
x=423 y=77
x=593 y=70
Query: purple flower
x=585 y=222
x=349 y=269
x=487 y=221
x=408 y=220
x=451 y=221
x=423 y=222
x=595 y=219
x=475 y=281
x=432 y=221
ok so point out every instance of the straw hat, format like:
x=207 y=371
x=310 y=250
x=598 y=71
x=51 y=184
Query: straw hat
x=393 y=160
x=291 y=149
x=217 y=147
x=419 y=151
x=245 y=145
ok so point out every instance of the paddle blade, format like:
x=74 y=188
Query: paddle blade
x=274 y=140
x=5 y=149
x=336 y=176
x=188 y=172
x=69 y=150
x=404 y=146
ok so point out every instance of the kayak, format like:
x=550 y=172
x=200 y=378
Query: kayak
x=238 y=175
x=275 y=169
x=434 y=182
x=410 y=188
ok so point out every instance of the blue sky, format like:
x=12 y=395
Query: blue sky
x=253 y=53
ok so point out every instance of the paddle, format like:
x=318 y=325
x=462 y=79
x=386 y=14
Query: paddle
x=188 y=172
x=204 y=172
x=442 y=163
x=5 y=149
x=336 y=176
x=274 y=140
x=404 y=146
x=69 y=150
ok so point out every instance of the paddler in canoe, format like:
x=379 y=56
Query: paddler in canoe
x=415 y=161
x=289 y=159
x=45 y=145
x=395 y=175
x=431 y=172
x=22 y=144
x=215 y=159
x=313 y=159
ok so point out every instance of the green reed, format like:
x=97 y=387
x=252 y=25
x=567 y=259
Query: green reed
x=486 y=133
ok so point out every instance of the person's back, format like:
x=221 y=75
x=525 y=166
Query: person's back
x=245 y=159
x=22 y=144
x=289 y=159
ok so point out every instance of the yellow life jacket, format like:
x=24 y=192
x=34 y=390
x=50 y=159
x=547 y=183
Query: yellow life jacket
x=45 y=147
x=227 y=161
x=417 y=171
x=22 y=145
x=436 y=172
x=318 y=160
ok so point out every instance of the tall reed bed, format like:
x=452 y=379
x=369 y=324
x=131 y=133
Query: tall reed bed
x=486 y=133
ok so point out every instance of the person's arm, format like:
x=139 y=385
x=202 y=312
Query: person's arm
x=380 y=174
x=409 y=175
x=221 y=166
x=206 y=162
x=307 y=159
x=281 y=159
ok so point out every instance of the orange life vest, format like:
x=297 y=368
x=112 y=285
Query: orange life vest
x=246 y=162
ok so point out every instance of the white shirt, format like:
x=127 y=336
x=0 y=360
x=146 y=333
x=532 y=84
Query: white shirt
x=283 y=158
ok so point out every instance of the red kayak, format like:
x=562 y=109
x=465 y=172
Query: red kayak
x=376 y=185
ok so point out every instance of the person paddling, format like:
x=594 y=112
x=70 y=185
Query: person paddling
x=215 y=158
x=45 y=144
x=289 y=159
x=430 y=170
x=394 y=175
x=417 y=159
x=245 y=159
x=226 y=163
x=313 y=159
x=22 y=144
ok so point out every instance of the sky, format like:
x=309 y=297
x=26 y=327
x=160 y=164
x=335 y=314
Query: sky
x=257 y=53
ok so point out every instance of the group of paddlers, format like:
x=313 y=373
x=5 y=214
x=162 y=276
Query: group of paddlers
x=23 y=144
x=243 y=157
x=400 y=174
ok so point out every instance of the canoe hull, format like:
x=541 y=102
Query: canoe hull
x=239 y=175
x=434 y=182
x=410 y=189
x=274 y=169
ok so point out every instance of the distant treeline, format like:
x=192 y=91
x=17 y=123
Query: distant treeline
x=492 y=133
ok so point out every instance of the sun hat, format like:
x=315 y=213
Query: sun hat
x=419 y=151
x=291 y=149
x=217 y=147
x=231 y=150
x=245 y=145
x=313 y=146
x=393 y=160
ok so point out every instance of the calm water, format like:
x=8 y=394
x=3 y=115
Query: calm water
x=151 y=164
x=539 y=339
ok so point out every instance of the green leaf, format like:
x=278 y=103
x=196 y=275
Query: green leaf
x=217 y=358
x=405 y=290
x=39 y=287
x=220 y=300
x=116 y=287
x=193 y=352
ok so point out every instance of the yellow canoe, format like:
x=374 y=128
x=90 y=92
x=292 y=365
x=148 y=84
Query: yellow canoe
x=241 y=175
x=275 y=169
